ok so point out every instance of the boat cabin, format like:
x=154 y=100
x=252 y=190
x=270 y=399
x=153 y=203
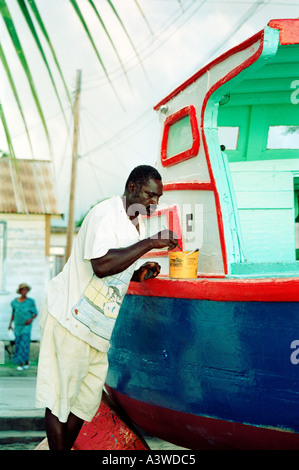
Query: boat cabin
x=229 y=158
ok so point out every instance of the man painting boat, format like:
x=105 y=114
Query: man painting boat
x=75 y=329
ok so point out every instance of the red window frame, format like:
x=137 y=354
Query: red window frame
x=186 y=154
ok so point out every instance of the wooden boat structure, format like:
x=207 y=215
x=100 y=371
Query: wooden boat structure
x=212 y=362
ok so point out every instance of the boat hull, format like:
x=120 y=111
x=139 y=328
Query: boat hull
x=208 y=373
x=201 y=432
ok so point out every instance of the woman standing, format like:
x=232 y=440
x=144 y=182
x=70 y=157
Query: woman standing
x=23 y=313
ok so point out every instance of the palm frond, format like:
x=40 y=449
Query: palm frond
x=144 y=17
x=7 y=134
x=128 y=36
x=78 y=11
x=38 y=31
x=45 y=33
x=109 y=38
x=14 y=90
x=30 y=25
x=13 y=160
x=18 y=47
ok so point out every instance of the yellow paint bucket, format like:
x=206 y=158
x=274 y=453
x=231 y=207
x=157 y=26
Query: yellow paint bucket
x=183 y=264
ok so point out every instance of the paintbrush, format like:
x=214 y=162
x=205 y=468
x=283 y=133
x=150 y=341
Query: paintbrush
x=194 y=251
x=164 y=228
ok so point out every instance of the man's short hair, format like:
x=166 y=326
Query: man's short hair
x=142 y=174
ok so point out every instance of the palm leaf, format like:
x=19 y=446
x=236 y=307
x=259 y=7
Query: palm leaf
x=14 y=90
x=14 y=160
x=110 y=39
x=7 y=134
x=45 y=33
x=128 y=36
x=78 y=11
x=17 y=44
x=30 y=24
x=144 y=17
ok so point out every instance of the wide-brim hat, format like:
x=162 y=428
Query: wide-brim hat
x=21 y=286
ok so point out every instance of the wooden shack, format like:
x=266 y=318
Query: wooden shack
x=27 y=204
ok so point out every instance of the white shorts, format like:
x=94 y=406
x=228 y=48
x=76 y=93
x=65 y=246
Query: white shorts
x=71 y=374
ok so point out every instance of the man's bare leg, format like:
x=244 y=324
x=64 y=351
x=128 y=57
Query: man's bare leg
x=55 y=431
x=73 y=426
x=61 y=436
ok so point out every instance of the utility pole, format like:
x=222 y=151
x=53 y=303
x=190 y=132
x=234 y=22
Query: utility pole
x=71 y=222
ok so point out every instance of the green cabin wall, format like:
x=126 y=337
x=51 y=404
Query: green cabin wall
x=263 y=178
x=265 y=200
x=254 y=122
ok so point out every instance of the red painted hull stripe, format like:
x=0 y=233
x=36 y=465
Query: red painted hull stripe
x=200 y=432
x=232 y=290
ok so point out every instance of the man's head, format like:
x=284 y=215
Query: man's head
x=143 y=187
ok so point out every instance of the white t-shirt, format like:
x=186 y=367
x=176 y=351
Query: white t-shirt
x=85 y=305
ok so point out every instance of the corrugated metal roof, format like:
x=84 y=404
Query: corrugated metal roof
x=27 y=187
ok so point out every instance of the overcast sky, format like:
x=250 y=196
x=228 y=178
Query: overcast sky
x=118 y=132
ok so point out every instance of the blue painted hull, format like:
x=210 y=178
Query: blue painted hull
x=226 y=360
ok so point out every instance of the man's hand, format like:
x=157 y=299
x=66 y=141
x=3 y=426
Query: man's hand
x=165 y=238
x=117 y=260
x=146 y=271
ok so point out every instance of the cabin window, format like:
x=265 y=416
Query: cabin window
x=283 y=137
x=180 y=139
x=3 y=242
x=228 y=136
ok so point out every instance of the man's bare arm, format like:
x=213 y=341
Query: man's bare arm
x=117 y=260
